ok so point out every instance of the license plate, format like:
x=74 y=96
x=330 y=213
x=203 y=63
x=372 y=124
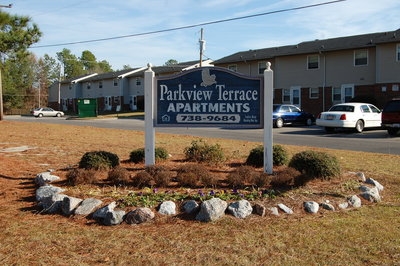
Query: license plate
x=330 y=117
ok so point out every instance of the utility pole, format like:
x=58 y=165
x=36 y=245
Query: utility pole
x=1 y=82
x=202 y=44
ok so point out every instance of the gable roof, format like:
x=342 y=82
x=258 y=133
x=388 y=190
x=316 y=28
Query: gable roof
x=316 y=46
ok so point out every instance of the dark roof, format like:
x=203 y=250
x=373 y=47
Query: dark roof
x=334 y=44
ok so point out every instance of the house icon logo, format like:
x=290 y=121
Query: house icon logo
x=166 y=118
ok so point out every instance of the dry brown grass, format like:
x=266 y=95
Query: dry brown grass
x=366 y=236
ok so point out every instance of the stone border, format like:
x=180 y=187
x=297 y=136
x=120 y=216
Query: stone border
x=52 y=201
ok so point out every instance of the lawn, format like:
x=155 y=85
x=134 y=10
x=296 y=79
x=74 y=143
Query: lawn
x=369 y=235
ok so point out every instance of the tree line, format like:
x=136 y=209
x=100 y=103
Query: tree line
x=25 y=77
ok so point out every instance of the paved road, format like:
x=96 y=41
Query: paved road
x=377 y=141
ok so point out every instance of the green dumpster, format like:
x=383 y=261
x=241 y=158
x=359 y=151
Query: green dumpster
x=87 y=107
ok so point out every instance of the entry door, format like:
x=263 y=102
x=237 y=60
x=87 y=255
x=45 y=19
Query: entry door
x=133 y=102
x=295 y=98
x=107 y=103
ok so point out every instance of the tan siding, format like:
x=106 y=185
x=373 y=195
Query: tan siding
x=387 y=68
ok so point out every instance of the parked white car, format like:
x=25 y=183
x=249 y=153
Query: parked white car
x=46 y=111
x=350 y=115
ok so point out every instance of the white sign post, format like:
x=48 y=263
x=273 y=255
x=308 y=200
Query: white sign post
x=268 y=103
x=149 y=152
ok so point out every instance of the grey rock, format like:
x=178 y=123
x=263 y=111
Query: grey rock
x=211 y=210
x=87 y=206
x=259 y=209
x=47 y=191
x=370 y=194
x=354 y=201
x=285 y=209
x=190 y=206
x=343 y=205
x=69 y=204
x=374 y=183
x=361 y=176
x=240 y=209
x=274 y=211
x=114 y=217
x=328 y=206
x=311 y=206
x=167 y=208
x=100 y=214
x=139 y=215
x=44 y=178
x=53 y=203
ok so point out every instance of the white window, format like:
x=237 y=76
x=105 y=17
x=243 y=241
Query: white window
x=314 y=93
x=262 y=66
x=88 y=85
x=398 y=52
x=100 y=84
x=138 y=82
x=232 y=67
x=313 y=61
x=286 y=96
x=361 y=57
x=115 y=82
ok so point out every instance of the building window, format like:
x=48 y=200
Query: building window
x=100 y=84
x=138 y=82
x=262 y=66
x=337 y=95
x=395 y=87
x=232 y=67
x=313 y=61
x=398 y=52
x=361 y=57
x=286 y=96
x=115 y=82
x=88 y=85
x=314 y=93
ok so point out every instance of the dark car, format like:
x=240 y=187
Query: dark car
x=288 y=114
x=391 y=117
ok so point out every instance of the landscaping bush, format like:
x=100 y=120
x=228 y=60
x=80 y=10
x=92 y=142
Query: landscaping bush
x=79 y=176
x=262 y=180
x=119 y=176
x=99 y=160
x=315 y=164
x=279 y=156
x=143 y=179
x=242 y=176
x=161 y=176
x=194 y=175
x=285 y=177
x=137 y=156
x=200 y=151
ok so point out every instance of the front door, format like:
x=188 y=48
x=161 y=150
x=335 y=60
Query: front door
x=295 y=98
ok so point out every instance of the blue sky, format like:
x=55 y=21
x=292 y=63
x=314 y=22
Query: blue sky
x=66 y=21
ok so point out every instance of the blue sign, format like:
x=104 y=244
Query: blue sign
x=209 y=96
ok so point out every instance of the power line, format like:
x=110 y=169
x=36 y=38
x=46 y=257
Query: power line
x=190 y=26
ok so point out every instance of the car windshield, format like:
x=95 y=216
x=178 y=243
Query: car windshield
x=342 y=108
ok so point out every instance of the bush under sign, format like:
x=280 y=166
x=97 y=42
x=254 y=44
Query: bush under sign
x=209 y=96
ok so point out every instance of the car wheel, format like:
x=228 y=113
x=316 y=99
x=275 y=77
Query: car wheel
x=309 y=122
x=279 y=123
x=329 y=129
x=58 y=115
x=393 y=131
x=359 y=126
x=40 y=115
